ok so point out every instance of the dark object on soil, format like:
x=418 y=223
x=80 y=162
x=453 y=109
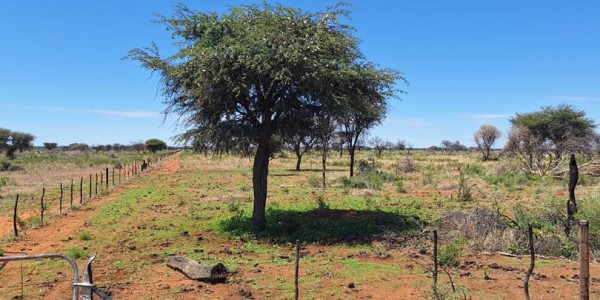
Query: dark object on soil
x=144 y=165
x=193 y=270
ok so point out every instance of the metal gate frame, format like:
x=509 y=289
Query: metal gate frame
x=86 y=284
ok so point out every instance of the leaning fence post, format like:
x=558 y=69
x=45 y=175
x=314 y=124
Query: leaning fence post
x=435 y=263
x=42 y=207
x=584 y=261
x=531 y=264
x=61 y=199
x=15 y=216
x=296 y=289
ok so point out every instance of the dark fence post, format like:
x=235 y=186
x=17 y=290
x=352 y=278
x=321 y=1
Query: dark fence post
x=96 y=184
x=71 y=192
x=81 y=190
x=531 y=264
x=91 y=186
x=61 y=199
x=15 y=216
x=113 y=176
x=296 y=288
x=42 y=207
x=435 y=263
x=107 y=179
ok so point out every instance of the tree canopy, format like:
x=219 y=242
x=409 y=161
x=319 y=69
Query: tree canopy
x=154 y=145
x=540 y=139
x=237 y=77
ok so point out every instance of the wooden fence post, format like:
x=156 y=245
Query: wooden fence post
x=96 y=184
x=101 y=179
x=531 y=264
x=584 y=261
x=113 y=177
x=81 y=190
x=61 y=199
x=71 y=192
x=15 y=216
x=296 y=288
x=91 y=186
x=42 y=207
x=107 y=179
x=435 y=263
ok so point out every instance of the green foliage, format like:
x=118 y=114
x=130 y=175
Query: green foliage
x=400 y=188
x=1 y=252
x=154 y=145
x=84 y=236
x=50 y=146
x=463 y=192
x=450 y=252
x=76 y=252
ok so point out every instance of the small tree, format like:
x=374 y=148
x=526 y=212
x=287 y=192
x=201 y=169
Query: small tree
x=401 y=145
x=154 y=145
x=540 y=139
x=485 y=138
x=50 y=146
x=22 y=141
x=378 y=144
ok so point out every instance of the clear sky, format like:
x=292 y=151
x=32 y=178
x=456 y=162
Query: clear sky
x=468 y=63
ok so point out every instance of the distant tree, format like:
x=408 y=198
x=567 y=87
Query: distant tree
x=4 y=139
x=137 y=146
x=378 y=144
x=325 y=130
x=22 y=141
x=485 y=138
x=401 y=145
x=300 y=136
x=237 y=75
x=154 y=145
x=79 y=146
x=540 y=139
x=453 y=146
x=50 y=146
x=367 y=105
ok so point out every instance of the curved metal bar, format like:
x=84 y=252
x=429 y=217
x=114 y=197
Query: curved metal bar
x=7 y=259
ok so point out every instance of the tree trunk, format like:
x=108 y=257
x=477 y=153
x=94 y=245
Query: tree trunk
x=260 y=172
x=299 y=156
x=351 y=153
x=324 y=161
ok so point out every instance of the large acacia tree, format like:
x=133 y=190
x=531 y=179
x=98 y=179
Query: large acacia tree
x=238 y=76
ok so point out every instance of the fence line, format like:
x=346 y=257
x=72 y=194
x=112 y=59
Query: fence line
x=106 y=184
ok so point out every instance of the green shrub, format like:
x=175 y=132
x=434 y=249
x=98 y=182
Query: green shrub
x=315 y=181
x=464 y=190
x=84 y=236
x=76 y=252
x=400 y=188
x=450 y=252
x=1 y=252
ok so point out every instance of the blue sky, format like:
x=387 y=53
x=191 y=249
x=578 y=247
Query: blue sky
x=468 y=63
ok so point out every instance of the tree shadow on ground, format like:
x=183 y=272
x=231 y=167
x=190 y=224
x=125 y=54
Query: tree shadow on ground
x=324 y=226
